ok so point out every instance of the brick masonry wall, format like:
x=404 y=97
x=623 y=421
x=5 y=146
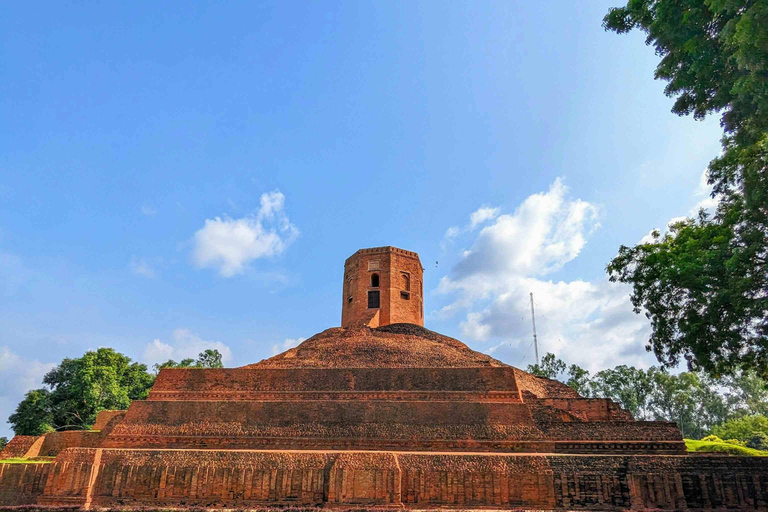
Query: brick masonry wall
x=588 y=409
x=55 y=442
x=111 y=478
x=341 y=412
x=22 y=446
x=22 y=484
x=255 y=383
x=399 y=271
x=104 y=418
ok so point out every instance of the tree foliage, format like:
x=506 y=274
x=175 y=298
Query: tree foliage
x=748 y=393
x=3 y=442
x=742 y=428
x=578 y=379
x=695 y=401
x=703 y=285
x=627 y=385
x=549 y=367
x=78 y=389
x=33 y=416
x=688 y=399
x=758 y=441
x=209 y=358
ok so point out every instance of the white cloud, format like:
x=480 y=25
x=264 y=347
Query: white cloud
x=707 y=202
x=141 y=267
x=591 y=324
x=452 y=232
x=476 y=218
x=231 y=244
x=148 y=210
x=288 y=344
x=481 y=215
x=17 y=376
x=184 y=345
x=703 y=188
x=545 y=232
x=648 y=238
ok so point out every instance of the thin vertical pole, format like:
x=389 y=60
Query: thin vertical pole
x=533 y=322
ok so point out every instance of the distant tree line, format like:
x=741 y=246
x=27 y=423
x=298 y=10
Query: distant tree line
x=732 y=407
x=77 y=389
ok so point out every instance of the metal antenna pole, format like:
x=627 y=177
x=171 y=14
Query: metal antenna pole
x=533 y=322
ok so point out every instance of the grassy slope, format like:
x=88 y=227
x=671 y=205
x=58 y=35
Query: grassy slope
x=708 y=446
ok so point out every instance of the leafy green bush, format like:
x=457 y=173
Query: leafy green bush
x=709 y=447
x=743 y=428
x=759 y=441
x=712 y=439
x=734 y=442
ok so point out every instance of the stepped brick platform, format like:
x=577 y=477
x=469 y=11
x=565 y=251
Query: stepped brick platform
x=377 y=415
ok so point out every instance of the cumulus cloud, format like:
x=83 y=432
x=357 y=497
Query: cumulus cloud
x=544 y=233
x=19 y=375
x=588 y=323
x=288 y=344
x=183 y=345
x=476 y=218
x=141 y=267
x=229 y=245
x=481 y=215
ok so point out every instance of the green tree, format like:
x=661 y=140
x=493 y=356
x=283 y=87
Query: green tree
x=626 y=385
x=748 y=393
x=687 y=399
x=743 y=428
x=79 y=389
x=578 y=379
x=33 y=416
x=209 y=358
x=3 y=442
x=714 y=405
x=758 y=441
x=184 y=363
x=703 y=284
x=553 y=367
x=549 y=367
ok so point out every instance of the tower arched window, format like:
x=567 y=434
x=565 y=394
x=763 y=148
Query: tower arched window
x=406 y=281
x=374 y=280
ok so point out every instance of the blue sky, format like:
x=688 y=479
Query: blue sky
x=181 y=176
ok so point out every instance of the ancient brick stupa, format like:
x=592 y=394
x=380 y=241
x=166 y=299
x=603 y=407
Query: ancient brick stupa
x=377 y=412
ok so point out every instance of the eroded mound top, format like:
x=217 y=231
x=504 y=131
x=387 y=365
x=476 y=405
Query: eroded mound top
x=400 y=346
x=393 y=346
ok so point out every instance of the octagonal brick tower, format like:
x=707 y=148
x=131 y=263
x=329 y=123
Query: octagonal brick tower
x=382 y=286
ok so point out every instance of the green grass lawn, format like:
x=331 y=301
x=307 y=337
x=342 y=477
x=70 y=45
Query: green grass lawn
x=715 y=447
x=24 y=461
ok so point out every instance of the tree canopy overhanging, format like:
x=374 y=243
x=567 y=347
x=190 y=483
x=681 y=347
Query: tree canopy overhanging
x=704 y=283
